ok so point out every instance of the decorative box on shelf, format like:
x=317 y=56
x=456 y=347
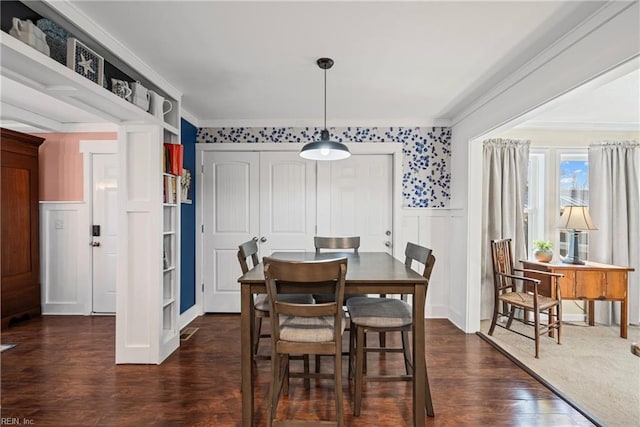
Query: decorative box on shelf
x=85 y=61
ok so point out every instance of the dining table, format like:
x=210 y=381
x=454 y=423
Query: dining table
x=367 y=273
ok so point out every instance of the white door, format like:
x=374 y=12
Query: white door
x=267 y=196
x=355 y=198
x=104 y=231
x=230 y=216
x=287 y=202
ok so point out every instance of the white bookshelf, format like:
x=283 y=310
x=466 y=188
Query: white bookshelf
x=147 y=291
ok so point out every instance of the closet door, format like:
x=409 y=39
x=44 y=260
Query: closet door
x=269 y=196
x=355 y=198
x=287 y=202
x=231 y=216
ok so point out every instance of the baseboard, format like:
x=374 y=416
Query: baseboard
x=188 y=316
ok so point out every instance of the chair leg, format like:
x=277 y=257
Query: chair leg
x=559 y=320
x=337 y=381
x=408 y=366
x=256 y=338
x=352 y=351
x=512 y=313
x=274 y=387
x=317 y=363
x=494 y=320
x=307 y=380
x=359 y=370
x=428 y=403
x=536 y=323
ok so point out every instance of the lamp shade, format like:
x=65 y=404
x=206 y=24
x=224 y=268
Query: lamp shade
x=324 y=149
x=576 y=218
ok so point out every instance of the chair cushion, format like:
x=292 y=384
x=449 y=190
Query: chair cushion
x=524 y=299
x=379 y=312
x=307 y=329
x=262 y=301
x=322 y=298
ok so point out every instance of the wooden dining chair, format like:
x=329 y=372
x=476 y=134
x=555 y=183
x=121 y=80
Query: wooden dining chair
x=514 y=291
x=322 y=243
x=336 y=243
x=384 y=315
x=305 y=328
x=249 y=251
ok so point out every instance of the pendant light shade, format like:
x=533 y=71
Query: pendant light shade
x=325 y=149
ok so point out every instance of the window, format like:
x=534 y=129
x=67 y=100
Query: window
x=549 y=190
x=573 y=189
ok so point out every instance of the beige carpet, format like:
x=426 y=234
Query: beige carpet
x=593 y=367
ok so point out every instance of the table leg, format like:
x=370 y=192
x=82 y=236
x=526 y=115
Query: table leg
x=246 y=337
x=624 y=317
x=419 y=366
x=592 y=313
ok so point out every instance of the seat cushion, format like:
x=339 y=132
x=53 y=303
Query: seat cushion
x=322 y=298
x=307 y=329
x=525 y=299
x=262 y=301
x=379 y=312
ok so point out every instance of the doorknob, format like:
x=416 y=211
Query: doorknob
x=94 y=244
x=263 y=239
x=387 y=244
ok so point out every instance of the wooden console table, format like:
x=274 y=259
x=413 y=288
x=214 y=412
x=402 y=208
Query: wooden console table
x=591 y=282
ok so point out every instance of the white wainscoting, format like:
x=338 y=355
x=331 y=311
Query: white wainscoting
x=65 y=257
x=432 y=228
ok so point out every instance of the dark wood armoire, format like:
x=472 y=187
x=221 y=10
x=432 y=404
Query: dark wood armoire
x=20 y=256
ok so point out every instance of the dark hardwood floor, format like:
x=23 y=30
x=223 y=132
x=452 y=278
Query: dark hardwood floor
x=62 y=373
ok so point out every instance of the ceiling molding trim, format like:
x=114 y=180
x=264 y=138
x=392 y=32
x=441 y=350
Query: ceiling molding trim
x=621 y=127
x=190 y=117
x=575 y=35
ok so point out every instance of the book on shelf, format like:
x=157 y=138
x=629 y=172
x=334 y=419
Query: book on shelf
x=172 y=158
x=170 y=189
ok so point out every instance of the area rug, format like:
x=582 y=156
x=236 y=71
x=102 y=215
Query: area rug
x=4 y=347
x=593 y=368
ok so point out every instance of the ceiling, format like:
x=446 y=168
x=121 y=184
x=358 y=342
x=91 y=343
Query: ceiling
x=416 y=63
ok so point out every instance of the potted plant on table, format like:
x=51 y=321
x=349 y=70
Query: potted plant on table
x=543 y=252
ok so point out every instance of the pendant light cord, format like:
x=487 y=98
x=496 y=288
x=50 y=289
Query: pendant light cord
x=325 y=98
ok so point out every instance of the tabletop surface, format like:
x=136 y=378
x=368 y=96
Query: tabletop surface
x=588 y=265
x=373 y=267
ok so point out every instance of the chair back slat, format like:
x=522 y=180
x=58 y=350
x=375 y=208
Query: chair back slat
x=246 y=250
x=421 y=255
x=502 y=256
x=309 y=277
x=337 y=243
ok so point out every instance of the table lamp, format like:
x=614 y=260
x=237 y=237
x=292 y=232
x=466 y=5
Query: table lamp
x=575 y=219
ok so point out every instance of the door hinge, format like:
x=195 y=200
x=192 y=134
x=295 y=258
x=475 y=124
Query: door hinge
x=203 y=288
x=201 y=168
x=202 y=228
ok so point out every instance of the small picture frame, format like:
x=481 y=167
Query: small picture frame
x=85 y=61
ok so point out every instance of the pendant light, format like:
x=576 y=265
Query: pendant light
x=325 y=149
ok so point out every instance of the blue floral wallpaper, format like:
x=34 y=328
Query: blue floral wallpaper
x=426 y=179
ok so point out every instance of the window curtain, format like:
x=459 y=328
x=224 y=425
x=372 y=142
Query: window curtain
x=614 y=193
x=505 y=169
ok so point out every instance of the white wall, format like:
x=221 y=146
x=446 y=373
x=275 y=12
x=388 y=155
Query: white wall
x=607 y=39
x=65 y=257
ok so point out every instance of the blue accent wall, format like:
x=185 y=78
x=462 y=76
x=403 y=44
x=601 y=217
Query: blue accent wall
x=188 y=222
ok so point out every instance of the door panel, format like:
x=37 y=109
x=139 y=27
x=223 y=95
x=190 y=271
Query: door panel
x=355 y=198
x=287 y=202
x=105 y=215
x=230 y=215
